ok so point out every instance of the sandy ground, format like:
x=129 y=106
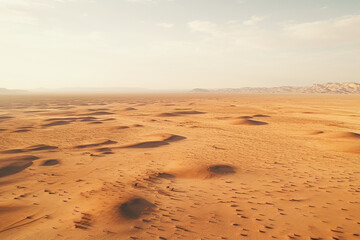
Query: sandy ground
x=180 y=167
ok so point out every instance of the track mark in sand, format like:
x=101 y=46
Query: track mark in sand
x=108 y=142
x=41 y=147
x=135 y=208
x=22 y=222
x=85 y=221
x=50 y=162
x=249 y=122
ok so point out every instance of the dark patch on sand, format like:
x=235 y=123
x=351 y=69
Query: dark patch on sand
x=14 y=168
x=221 y=169
x=50 y=162
x=135 y=208
x=108 y=142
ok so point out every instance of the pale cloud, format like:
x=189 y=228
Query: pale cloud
x=331 y=32
x=148 y=1
x=335 y=31
x=234 y=35
x=14 y=3
x=253 y=21
x=165 y=25
x=204 y=27
x=12 y=16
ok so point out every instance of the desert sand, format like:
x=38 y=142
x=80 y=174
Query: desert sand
x=191 y=166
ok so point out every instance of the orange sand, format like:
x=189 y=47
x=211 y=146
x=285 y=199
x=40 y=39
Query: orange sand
x=196 y=166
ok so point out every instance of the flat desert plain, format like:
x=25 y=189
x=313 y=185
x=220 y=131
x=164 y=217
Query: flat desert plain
x=191 y=166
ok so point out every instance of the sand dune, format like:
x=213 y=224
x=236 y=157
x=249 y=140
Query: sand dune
x=159 y=140
x=14 y=168
x=249 y=122
x=136 y=207
x=50 y=162
x=180 y=167
x=107 y=142
x=348 y=135
x=40 y=147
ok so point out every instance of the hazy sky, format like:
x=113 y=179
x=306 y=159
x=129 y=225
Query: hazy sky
x=178 y=44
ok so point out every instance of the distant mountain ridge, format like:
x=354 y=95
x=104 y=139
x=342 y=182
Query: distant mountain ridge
x=326 y=88
x=11 y=91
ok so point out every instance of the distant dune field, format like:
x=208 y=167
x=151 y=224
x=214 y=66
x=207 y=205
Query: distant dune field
x=192 y=166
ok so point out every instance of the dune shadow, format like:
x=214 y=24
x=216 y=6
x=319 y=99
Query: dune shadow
x=20 y=158
x=179 y=113
x=50 y=162
x=188 y=112
x=130 y=109
x=150 y=144
x=250 y=122
x=21 y=130
x=41 y=147
x=56 y=123
x=98 y=113
x=122 y=127
x=88 y=119
x=5 y=117
x=175 y=138
x=98 y=109
x=260 y=115
x=108 y=142
x=221 y=169
x=61 y=119
x=14 y=168
x=96 y=122
x=135 y=208
x=165 y=175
